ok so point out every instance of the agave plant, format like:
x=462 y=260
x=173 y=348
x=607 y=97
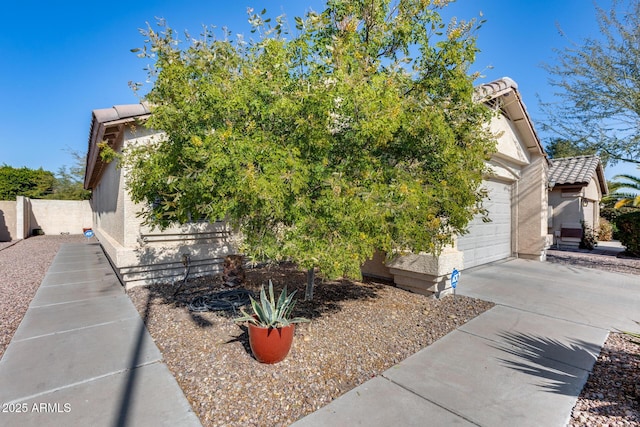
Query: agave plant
x=269 y=313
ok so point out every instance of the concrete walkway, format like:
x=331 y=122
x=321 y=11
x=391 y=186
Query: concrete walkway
x=83 y=357
x=522 y=363
x=610 y=248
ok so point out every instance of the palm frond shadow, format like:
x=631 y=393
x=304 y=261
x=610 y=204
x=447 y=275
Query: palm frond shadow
x=563 y=368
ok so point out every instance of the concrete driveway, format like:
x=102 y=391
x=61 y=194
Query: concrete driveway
x=524 y=362
x=587 y=296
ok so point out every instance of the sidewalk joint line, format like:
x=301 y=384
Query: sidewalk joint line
x=78 y=283
x=431 y=401
x=76 y=271
x=71 y=301
x=77 y=329
x=88 y=380
x=551 y=317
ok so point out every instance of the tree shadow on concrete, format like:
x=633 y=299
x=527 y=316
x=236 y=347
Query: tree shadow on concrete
x=609 y=378
x=563 y=368
x=126 y=397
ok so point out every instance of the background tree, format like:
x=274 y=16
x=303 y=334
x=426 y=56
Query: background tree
x=598 y=85
x=69 y=184
x=359 y=132
x=559 y=148
x=625 y=198
x=34 y=183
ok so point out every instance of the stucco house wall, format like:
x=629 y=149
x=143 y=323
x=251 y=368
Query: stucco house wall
x=592 y=197
x=532 y=215
x=508 y=144
x=526 y=170
x=108 y=210
x=143 y=255
x=568 y=207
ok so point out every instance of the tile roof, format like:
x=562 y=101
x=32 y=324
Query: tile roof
x=118 y=112
x=573 y=170
x=504 y=94
x=495 y=88
x=107 y=125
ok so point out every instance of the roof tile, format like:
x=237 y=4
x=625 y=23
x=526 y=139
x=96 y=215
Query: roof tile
x=573 y=170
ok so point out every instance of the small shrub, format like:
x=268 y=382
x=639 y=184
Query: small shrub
x=589 y=238
x=629 y=228
x=605 y=231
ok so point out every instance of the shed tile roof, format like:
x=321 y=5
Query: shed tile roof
x=495 y=88
x=573 y=170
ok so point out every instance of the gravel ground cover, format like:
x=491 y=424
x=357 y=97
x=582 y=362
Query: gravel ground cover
x=590 y=259
x=611 y=396
x=358 y=330
x=23 y=265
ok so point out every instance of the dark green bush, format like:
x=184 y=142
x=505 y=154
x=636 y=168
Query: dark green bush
x=629 y=231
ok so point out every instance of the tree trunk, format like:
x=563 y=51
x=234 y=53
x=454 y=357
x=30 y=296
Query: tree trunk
x=308 y=295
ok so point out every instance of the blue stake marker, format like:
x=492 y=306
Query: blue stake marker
x=455 y=276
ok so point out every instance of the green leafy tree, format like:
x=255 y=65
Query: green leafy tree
x=34 y=183
x=69 y=183
x=598 y=85
x=559 y=148
x=359 y=132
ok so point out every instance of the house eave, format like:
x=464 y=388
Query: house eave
x=604 y=187
x=108 y=125
x=506 y=91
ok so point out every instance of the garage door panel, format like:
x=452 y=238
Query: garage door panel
x=489 y=241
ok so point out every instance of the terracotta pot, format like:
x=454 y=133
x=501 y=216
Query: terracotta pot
x=270 y=345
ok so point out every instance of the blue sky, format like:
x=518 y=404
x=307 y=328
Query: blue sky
x=61 y=60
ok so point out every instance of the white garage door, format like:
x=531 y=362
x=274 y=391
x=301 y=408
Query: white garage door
x=489 y=241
